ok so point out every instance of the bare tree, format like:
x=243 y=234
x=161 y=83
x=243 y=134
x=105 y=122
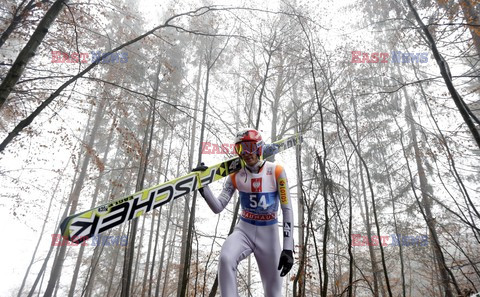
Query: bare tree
x=127 y=286
x=18 y=15
x=40 y=237
x=74 y=197
x=211 y=59
x=467 y=115
x=29 y=119
x=28 y=50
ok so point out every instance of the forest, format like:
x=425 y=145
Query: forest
x=102 y=99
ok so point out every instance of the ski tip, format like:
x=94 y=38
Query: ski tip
x=64 y=228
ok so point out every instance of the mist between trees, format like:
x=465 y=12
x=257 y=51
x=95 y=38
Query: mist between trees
x=389 y=148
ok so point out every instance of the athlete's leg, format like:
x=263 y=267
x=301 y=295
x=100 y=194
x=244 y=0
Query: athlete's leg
x=235 y=249
x=267 y=254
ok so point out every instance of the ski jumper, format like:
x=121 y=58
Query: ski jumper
x=260 y=195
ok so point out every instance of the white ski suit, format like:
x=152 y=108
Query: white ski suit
x=257 y=231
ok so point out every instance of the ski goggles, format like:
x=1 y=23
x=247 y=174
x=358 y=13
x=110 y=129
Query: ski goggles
x=250 y=147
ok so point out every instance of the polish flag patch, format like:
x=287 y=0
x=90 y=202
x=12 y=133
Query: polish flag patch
x=256 y=185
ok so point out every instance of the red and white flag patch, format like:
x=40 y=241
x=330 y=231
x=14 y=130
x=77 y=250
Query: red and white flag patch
x=256 y=185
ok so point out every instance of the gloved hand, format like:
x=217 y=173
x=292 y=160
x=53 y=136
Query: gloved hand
x=270 y=149
x=286 y=262
x=201 y=167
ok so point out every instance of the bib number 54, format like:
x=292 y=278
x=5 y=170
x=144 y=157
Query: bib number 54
x=262 y=202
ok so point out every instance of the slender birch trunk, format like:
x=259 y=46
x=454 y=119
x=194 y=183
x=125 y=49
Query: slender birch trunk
x=58 y=263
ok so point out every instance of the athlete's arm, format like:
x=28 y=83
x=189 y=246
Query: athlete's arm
x=286 y=257
x=218 y=204
x=286 y=205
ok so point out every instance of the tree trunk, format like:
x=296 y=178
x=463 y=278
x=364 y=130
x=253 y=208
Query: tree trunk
x=17 y=17
x=426 y=206
x=270 y=52
x=183 y=251
x=473 y=21
x=29 y=119
x=109 y=193
x=92 y=205
x=452 y=163
x=41 y=273
x=205 y=273
x=210 y=61
x=323 y=176
x=167 y=228
x=47 y=215
x=58 y=263
x=370 y=185
x=350 y=221
x=213 y=290
x=392 y=197
x=171 y=255
x=373 y=257
x=29 y=50
x=127 y=283
x=463 y=108
x=191 y=222
x=300 y=277
x=157 y=233
x=149 y=251
x=137 y=259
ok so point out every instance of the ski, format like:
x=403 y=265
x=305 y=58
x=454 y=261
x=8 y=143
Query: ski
x=82 y=226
